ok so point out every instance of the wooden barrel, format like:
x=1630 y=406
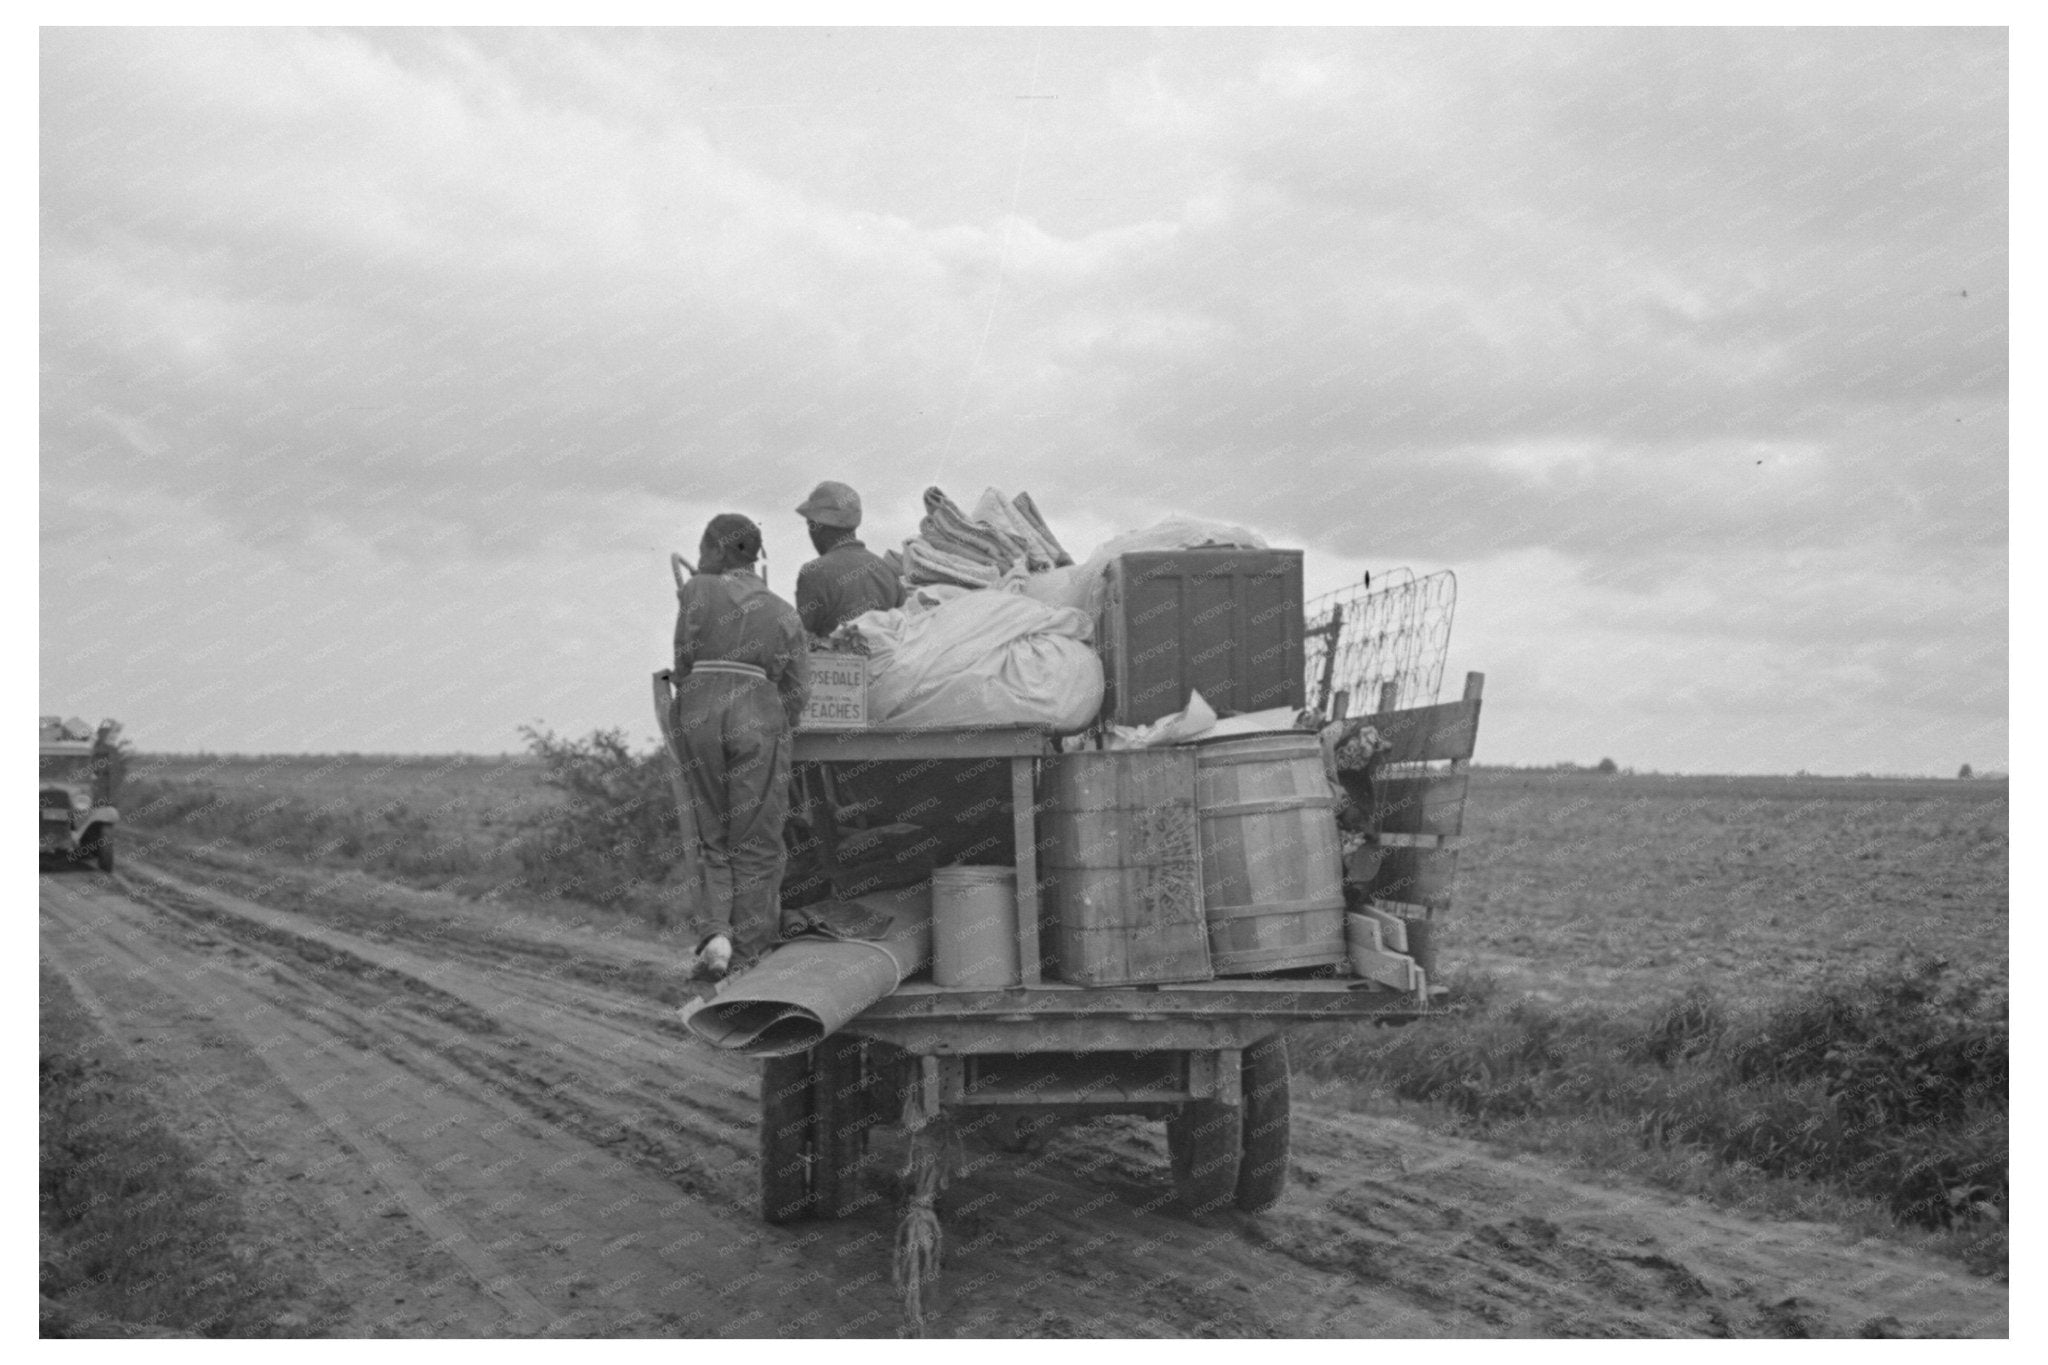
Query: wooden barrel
x=1272 y=880
x=1121 y=870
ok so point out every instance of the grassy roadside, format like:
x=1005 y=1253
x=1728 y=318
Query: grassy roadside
x=583 y=819
x=394 y=839
x=1879 y=1101
x=137 y=1240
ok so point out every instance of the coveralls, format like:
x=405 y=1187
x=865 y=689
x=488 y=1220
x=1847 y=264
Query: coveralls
x=841 y=584
x=742 y=675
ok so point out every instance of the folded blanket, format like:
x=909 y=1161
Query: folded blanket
x=944 y=522
x=974 y=551
x=995 y=510
x=924 y=564
x=934 y=557
x=1028 y=510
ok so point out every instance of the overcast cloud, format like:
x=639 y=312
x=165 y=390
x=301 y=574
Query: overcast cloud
x=382 y=370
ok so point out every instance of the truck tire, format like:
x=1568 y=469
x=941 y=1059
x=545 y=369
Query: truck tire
x=892 y=1075
x=786 y=1138
x=1206 y=1140
x=103 y=853
x=842 y=1111
x=1262 y=1169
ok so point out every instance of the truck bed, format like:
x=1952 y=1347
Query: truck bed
x=1058 y=1017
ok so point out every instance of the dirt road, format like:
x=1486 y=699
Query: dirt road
x=455 y=1120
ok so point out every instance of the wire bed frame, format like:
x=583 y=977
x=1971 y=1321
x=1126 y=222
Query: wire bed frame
x=1379 y=645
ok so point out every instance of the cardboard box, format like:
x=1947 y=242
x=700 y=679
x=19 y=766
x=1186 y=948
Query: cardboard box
x=839 y=691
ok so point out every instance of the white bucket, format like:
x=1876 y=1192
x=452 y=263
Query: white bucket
x=974 y=927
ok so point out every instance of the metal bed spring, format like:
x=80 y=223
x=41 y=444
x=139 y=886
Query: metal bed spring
x=1390 y=632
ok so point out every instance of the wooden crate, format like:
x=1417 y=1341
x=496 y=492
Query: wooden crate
x=1123 y=869
x=839 y=691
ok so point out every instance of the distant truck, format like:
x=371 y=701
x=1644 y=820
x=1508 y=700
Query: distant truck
x=79 y=772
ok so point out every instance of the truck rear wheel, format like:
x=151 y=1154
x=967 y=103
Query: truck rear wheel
x=1206 y=1140
x=787 y=1134
x=1262 y=1170
x=842 y=1111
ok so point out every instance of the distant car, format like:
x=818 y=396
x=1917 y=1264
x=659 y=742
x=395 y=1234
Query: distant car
x=78 y=771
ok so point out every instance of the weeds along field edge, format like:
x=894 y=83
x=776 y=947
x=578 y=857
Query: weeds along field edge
x=1889 y=1087
x=584 y=819
x=1793 y=985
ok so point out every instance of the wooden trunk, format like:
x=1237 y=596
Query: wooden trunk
x=1223 y=622
x=1272 y=880
x=1122 y=872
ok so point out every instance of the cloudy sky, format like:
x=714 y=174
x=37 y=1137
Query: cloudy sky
x=381 y=370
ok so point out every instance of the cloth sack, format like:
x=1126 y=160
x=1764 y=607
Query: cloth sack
x=983 y=658
x=1064 y=587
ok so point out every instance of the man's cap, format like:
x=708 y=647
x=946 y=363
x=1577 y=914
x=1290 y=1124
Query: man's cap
x=832 y=504
x=735 y=536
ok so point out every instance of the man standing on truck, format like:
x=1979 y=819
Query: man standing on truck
x=845 y=579
x=741 y=675
x=109 y=764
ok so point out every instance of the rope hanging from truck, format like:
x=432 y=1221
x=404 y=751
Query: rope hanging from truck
x=920 y=1242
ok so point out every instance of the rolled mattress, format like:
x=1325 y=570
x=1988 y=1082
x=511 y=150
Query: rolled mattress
x=811 y=987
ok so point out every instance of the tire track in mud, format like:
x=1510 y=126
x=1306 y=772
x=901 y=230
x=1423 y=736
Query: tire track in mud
x=417 y=1012
x=1533 y=1251
x=614 y=972
x=524 y=1314
x=513 y=1204
x=1129 y=1288
x=185 y=1088
x=142 y=963
x=569 y=1039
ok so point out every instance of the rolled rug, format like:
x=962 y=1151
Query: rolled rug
x=809 y=988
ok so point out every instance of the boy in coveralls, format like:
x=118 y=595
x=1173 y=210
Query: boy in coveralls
x=741 y=678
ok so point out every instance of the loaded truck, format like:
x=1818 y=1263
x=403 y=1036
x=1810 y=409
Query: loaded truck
x=79 y=771
x=1177 y=910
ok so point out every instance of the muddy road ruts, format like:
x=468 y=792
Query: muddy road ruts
x=463 y=1119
